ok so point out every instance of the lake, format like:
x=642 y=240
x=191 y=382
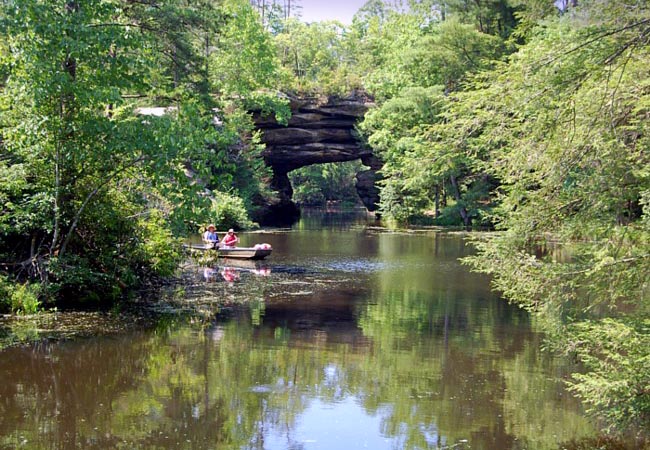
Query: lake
x=349 y=337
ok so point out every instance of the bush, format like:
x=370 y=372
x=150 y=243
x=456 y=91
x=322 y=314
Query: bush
x=18 y=298
x=24 y=299
x=157 y=248
x=616 y=354
x=309 y=194
x=124 y=255
x=449 y=217
x=228 y=211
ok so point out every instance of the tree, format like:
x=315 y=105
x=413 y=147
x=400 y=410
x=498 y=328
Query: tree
x=429 y=171
x=316 y=58
x=317 y=184
x=549 y=146
x=273 y=12
x=88 y=175
x=567 y=126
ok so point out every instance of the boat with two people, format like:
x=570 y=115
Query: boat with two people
x=226 y=248
x=257 y=252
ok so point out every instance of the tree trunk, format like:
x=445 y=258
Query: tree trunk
x=443 y=195
x=467 y=220
x=437 y=202
x=69 y=66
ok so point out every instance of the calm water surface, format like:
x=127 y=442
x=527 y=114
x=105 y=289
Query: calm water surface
x=349 y=337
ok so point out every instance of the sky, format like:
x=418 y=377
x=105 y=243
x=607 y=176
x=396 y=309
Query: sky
x=320 y=10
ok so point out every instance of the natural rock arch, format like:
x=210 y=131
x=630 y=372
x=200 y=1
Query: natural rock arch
x=320 y=130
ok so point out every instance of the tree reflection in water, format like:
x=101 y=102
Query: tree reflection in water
x=413 y=353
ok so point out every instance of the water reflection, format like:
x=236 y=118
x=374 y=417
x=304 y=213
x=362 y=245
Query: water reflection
x=370 y=340
x=232 y=271
x=210 y=274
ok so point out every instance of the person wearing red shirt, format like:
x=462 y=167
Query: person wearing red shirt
x=230 y=239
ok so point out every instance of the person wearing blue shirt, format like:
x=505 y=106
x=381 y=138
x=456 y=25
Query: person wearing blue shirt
x=210 y=236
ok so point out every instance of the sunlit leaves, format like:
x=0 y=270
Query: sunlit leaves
x=616 y=354
x=80 y=162
x=243 y=59
x=319 y=183
x=317 y=57
x=572 y=157
x=556 y=137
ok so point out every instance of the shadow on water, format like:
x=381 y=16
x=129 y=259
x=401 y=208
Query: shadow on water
x=346 y=337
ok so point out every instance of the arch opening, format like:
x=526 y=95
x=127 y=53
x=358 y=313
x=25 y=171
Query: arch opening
x=327 y=184
x=320 y=131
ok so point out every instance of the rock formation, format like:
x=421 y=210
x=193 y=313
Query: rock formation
x=320 y=130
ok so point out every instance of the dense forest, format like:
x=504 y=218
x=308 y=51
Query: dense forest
x=530 y=118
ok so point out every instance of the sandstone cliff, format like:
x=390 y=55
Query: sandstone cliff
x=321 y=130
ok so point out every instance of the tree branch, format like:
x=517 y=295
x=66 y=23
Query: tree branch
x=94 y=192
x=631 y=259
x=597 y=38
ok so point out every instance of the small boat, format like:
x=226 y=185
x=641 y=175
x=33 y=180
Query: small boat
x=255 y=253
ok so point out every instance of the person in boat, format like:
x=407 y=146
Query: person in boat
x=210 y=236
x=230 y=239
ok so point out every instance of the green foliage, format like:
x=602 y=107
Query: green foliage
x=316 y=184
x=565 y=124
x=383 y=49
x=394 y=132
x=428 y=170
x=244 y=59
x=269 y=103
x=442 y=54
x=547 y=141
x=425 y=169
x=78 y=280
x=24 y=299
x=81 y=165
x=450 y=52
x=156 y=246
x=495 y=17
x=228 y=211
x=307 y=190
x=529 y=14
x=18 y=298
x=316 y=57
x=550 y=146
x=618 y=358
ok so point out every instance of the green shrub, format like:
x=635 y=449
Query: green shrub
x=449 y=217
x=309 y=194
x=24 y=299
x=18 y=298
x=616 y=354
x=76 y=279
x=157 y=248
x=228 y=211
